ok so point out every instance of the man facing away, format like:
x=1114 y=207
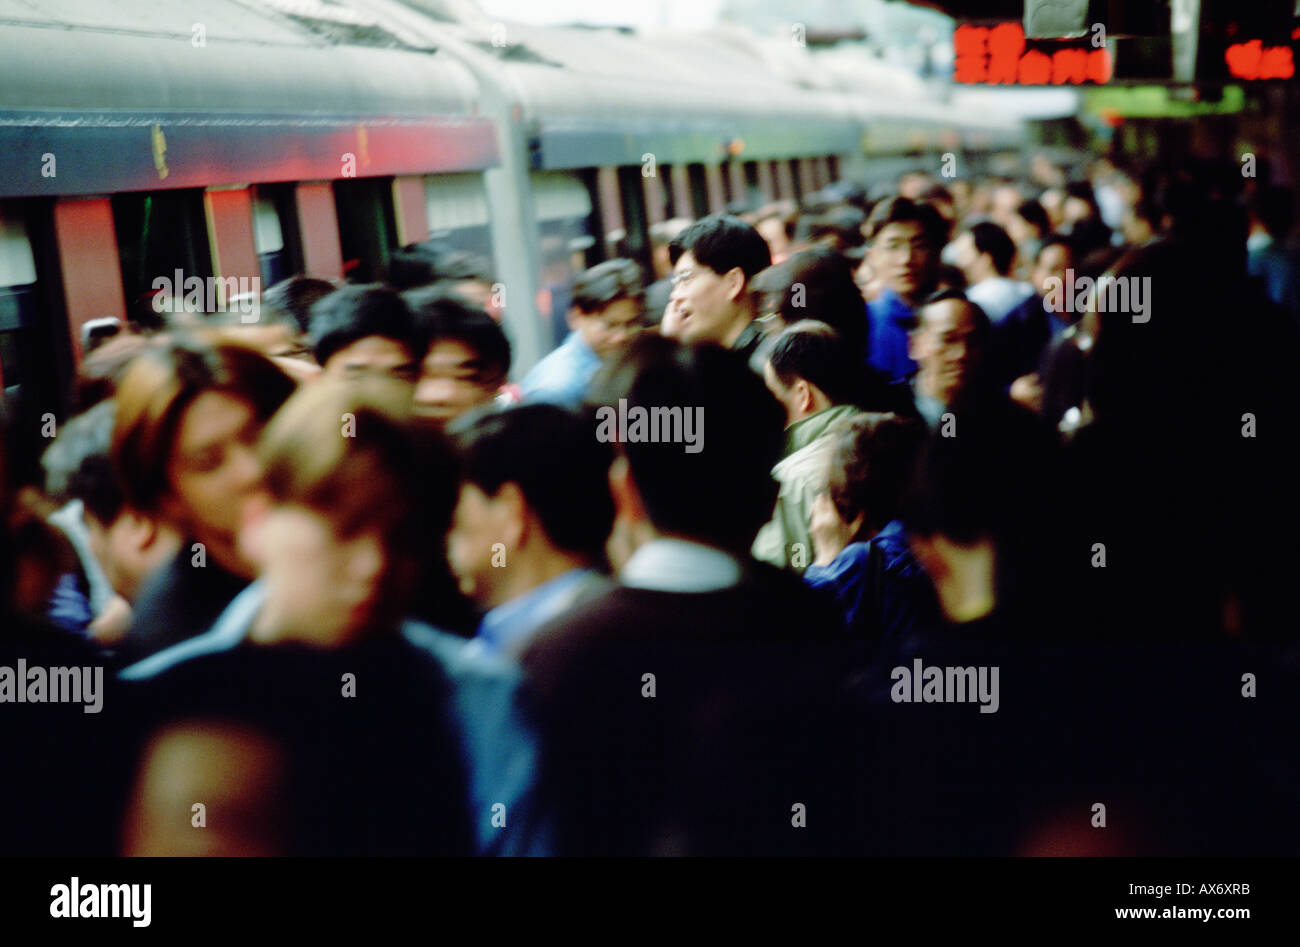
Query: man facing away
x=986 y=255
x=668 y=702
x=811 y=375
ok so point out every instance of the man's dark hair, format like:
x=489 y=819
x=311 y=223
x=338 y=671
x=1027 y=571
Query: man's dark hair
x=991 y=239
x=871 y=460
x=411 y=267
x=551 y=455
x=1148 y=208
x=95 y=484
x=1057 y=240
x=983 y=324
x=815 y=352
x=936 y=192
x=902 y=210
x=358 y=312
x=296 y=295
x=722 y=242
x=1081 y=189
x=1274 y=208
x=1032 y=213
x=818 y=284
x=842 y=223
x=722 y=494
x=606 y=283
x=442 y=315
x=459 y=266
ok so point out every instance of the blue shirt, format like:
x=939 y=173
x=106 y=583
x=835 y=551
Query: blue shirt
x=1277 y=270
x=888 y=318
x=505 y=630
x=563 y=375
x=905 y=593
x=69 y=608
x=493 y=723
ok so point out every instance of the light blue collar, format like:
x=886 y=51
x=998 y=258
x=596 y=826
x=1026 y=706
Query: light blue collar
x=677 y=565
x=503 y=628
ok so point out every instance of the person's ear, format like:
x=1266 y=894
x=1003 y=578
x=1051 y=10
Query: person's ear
x=735 y=283
x=510 y=511
x=571 y=317
x=628 y=504
x=804 y=398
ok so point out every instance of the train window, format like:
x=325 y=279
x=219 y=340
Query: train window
x=457 y=210
x=159 y=233
x=637 y=241
x=568 y=225
x=668 y=190
x=367 y=227
x=699 y=189
x=833 y=166
x=36 y=360
x=658 y=196
x=752 y=184
x=744 y=181
x=17 y=299
x=275 y=235
x=784 y=181
x=796 y=182
x=611 y=211
x=17 y=265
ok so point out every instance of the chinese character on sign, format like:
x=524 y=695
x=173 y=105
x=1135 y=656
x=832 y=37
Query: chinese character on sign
x=1253 y=61
x=970 y=48
x=998 y=55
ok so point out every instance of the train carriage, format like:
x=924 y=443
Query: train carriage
x=260 y=138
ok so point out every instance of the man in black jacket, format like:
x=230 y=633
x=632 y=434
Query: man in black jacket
x=682 y=708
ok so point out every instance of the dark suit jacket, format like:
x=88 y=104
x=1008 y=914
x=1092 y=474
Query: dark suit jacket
x=688 y=723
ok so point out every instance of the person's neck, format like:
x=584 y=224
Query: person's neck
x=968 y=591
x=269 y=627
x=818 y=404
x=739 y=321
x=530 y=570
x=927 y=386
x=643 y=533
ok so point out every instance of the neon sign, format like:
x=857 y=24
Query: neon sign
x=1254 y=60
x=1000 y=55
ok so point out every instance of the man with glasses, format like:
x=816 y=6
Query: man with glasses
x=712 y=299
x=607 y=310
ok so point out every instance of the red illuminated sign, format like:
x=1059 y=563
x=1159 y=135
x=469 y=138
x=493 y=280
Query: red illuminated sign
x=1255 y=61
x=999 y=55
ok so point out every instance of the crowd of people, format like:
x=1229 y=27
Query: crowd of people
x=357 y=592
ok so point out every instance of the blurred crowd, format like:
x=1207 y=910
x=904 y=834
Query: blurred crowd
x=358 y=592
